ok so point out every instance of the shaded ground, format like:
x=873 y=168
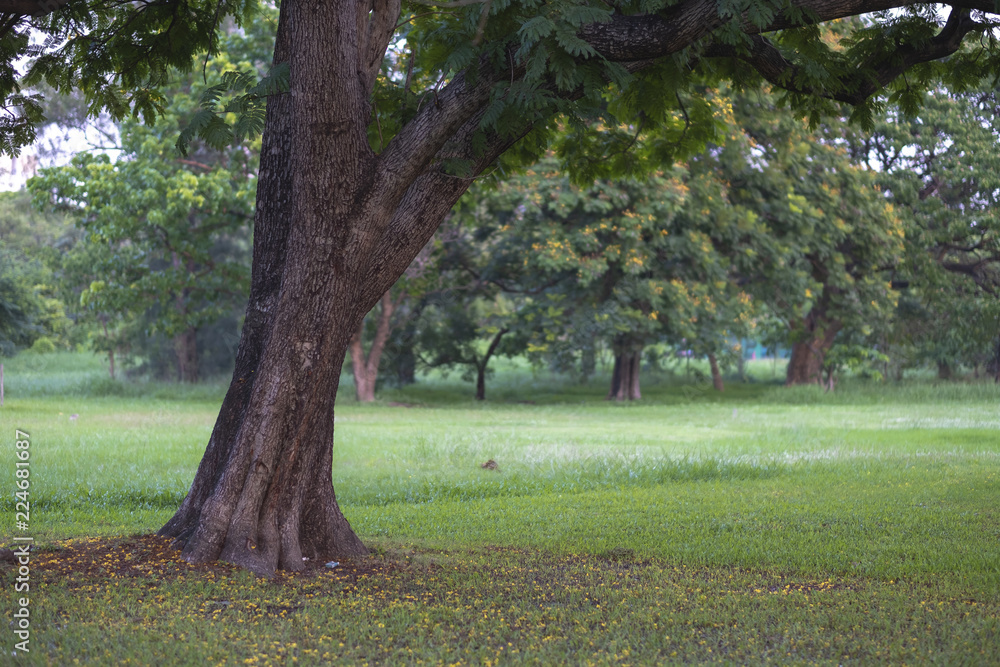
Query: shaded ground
x=134 y=601
x=154 y=557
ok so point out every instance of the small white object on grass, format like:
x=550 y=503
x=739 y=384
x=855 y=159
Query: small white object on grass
x=73 y=418
x=332 y=564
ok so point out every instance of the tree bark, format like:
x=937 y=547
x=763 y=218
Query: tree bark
x=716 y=375
x=817 y=332
x=364 y=367
x=207 y=525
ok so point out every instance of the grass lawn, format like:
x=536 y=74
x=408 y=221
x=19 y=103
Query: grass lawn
x=761 y=525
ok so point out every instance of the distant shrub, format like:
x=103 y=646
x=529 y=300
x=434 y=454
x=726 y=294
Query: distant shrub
x=98 y=387
x=43 y=345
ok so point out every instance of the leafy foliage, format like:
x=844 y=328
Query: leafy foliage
x=119 y=55
x=940 y=166
x=167 y=243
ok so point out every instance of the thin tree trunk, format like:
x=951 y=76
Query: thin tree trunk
x=996 y=364
x=186 y=348
x=364 y=367
x=634 y=393
x=111 y=350
x=484 y=365
x=616 y=378
x=716 y=375
x=945 y=371
x=588 y=362
x=885 y=364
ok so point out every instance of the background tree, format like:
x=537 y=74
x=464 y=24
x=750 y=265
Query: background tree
x=171 y=232
x=626 y=262
x=940 y=166
x=168 y=237
x=399 y=307
x=459 y=328
x=30 y=250
x=821 y=239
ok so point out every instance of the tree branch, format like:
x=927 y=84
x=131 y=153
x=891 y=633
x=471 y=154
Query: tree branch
x=30 y=7
x=646 y=37
x=376 y=25
x=764 y=57
x=449 y=5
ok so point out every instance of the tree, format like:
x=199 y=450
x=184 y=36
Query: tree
x=263 y=496
x=941 y=167
x=166 y=239
x=30 y=306
x=451 y=329
x=365 y=366
x=628 y=261
x=394 y=309
x=365 y=155
x=820 y=238
x=450 y=302
x=167 y=235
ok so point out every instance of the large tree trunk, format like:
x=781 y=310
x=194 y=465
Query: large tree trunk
x=335 y=228
x=625 y=376
x=817 y=334
x=257 y=459
x=713 y=364
x=364 y=367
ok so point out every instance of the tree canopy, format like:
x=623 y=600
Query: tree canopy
x=525 y=60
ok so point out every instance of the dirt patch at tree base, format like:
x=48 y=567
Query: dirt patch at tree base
x=153 y=556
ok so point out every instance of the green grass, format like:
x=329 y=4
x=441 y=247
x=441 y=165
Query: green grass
x=765 y=524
